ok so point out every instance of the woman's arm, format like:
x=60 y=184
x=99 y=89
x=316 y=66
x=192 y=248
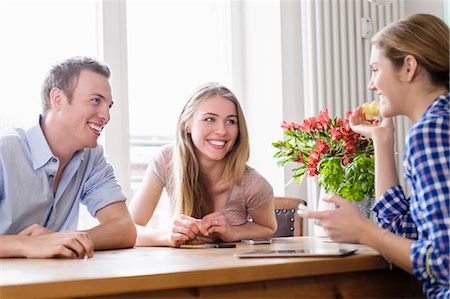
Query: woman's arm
x=383 y=141
x=142 y=207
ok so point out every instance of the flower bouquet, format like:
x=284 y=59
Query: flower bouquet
x=328 y=148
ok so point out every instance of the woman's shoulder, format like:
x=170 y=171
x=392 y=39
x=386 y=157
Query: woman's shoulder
x=435 y=120
x=252 y=175
x=165 y=152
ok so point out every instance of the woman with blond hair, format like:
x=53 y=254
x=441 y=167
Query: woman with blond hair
x=214 y=195
x=410 y=72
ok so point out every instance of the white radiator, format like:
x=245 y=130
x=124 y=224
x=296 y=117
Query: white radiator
x=336 y=59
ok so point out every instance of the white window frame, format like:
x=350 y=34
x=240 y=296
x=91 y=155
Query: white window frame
x=113 y=48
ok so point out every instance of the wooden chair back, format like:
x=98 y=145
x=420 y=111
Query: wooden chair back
x=290 y=224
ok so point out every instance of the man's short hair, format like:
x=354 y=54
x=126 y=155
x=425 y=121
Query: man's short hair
x=65 y=74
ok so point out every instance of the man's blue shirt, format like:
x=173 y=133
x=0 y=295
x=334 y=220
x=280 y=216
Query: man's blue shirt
x=27 y=171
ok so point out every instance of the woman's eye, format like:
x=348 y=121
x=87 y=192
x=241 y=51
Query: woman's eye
x=231 y=121
x=97 y=100
x=374 y=70
x=209 y=119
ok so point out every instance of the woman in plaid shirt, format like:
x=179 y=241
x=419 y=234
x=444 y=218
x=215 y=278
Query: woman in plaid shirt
x=410 y=72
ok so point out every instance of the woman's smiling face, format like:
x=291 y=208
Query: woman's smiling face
x=385 y=81
x=214 y=128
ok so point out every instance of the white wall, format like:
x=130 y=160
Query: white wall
x=434 y=7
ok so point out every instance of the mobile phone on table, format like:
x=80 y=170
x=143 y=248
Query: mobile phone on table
x=257 y=241
x=220 y=245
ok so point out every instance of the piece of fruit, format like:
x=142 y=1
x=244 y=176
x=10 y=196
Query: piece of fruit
x=371 y=110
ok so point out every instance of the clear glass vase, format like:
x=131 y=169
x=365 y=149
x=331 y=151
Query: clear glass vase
x=322 y=206
x=365 y=206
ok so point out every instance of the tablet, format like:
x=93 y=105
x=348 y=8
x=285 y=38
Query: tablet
x=310 y=252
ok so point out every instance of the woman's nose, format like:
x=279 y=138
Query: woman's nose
x=220 y=128
x=371 y=85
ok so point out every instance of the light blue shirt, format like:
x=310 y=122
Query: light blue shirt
x=27 y=171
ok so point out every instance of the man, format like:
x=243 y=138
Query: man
x=47 y=170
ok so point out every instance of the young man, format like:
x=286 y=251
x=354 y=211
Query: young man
x=47 y=170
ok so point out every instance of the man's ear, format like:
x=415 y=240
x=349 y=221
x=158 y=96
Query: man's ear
x=409 y=69
x=56 y=98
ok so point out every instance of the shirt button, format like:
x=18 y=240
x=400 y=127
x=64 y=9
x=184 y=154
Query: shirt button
x=51 y=176
x=54 y=160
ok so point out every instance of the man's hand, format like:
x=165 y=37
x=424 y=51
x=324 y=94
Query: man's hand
x=62 y=244
x=49 y=244
x=35 y=230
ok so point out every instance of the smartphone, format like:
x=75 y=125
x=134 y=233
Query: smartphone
x=257 y=241
x=220 y=245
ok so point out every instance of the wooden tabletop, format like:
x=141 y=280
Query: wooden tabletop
x=145 y=269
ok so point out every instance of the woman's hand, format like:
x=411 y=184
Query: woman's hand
x=371 y=129
x=344 y=224
x=218 y=225
x=186 y=228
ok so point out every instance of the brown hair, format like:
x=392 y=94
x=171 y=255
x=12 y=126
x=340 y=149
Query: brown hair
x=64 y=75
x=424 y=36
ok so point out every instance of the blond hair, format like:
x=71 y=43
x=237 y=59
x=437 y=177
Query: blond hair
x=424 y=36
x=190 y=194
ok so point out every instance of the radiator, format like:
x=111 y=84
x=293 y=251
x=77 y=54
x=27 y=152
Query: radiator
x=336 y=60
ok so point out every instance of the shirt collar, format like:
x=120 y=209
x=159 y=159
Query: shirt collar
x=39 y=148
x=441 y=101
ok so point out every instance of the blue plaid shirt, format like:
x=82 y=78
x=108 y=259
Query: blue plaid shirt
x=425 y=215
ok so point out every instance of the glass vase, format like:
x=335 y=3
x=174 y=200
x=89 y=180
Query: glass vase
x=322 y=206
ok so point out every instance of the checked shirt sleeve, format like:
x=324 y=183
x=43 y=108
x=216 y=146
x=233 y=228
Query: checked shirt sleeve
x=393 y=213
x=429 y=160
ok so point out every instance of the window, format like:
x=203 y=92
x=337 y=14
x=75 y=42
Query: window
x=35 y=35
x=173 y=47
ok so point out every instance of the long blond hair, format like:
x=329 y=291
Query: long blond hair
x=424 y=36
x=190 y=193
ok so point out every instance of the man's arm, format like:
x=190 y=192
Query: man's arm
x=116 y=228
x=35 y=242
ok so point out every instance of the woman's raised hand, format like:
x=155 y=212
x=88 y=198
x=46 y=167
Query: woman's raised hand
x=370 y=129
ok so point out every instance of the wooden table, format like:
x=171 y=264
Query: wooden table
x=208 y=273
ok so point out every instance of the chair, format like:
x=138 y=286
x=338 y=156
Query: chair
x=290 y=224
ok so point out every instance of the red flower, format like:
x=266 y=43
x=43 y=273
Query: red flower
x=290 y=126
x=308 y=124
x=300 y=159
x=324 y=119
x=336 y=134
x=322 y=146
x=319 y=138
x=345 y=160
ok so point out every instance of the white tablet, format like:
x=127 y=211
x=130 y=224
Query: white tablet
x=311 y=252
